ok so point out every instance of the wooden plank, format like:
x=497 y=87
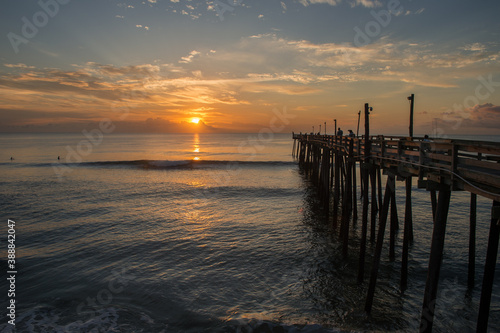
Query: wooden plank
x=410 y=153
x=440 y=157
x=479 y=163
x=480 y=177
x=485 y=148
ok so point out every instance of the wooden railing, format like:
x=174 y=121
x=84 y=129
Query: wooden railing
x=473 y=166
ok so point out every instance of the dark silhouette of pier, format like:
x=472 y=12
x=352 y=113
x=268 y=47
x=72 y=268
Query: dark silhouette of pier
x=440 y=165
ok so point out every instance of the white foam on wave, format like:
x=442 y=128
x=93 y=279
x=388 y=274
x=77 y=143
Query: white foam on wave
x=44 y=319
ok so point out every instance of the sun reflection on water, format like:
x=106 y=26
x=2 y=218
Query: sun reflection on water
x=196 y=146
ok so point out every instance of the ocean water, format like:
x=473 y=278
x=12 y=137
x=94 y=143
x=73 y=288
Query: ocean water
x=206 y=233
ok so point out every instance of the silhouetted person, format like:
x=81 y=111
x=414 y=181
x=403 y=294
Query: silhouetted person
x=426 y=147
x=11 y=158
x=351 y=134
x=58 y=158
x=340 y=132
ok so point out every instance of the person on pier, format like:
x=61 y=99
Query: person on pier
x=340 y=132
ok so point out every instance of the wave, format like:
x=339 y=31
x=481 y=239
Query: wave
x=160 y=164
x=46 y=318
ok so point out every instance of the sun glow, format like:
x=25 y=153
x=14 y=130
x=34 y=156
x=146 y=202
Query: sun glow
x=195 y=120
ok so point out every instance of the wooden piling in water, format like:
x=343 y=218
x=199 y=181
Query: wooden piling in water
x=389 y=187
x=408 y=225
x=373 y=203
x=489 y=269
x=393 y=225
x=354 y=192
x=336 y=195
x=347 y=202
x=472 y=241
x=433 y=204
x=435 y=260
x=364 y=224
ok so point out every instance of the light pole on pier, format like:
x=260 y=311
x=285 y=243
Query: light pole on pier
x=359 y=117
x=412 y=103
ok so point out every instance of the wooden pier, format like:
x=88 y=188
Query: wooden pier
x=440 y=165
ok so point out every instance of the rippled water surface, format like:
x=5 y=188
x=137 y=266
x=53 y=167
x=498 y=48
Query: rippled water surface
x=207 y=233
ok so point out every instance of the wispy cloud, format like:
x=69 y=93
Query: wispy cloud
x=189 y=58
x=353 y=3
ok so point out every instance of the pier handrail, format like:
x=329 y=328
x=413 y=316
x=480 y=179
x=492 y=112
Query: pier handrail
x=472 y=166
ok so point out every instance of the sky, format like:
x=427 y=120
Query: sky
x=163 y=66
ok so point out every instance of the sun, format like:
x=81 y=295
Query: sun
x=195 y=120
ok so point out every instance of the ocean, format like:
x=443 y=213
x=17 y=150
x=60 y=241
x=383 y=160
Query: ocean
x=206 y=233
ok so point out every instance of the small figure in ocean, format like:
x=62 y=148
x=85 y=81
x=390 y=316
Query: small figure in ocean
x=340 y=132
x=58 y=158
x=351 y=134
x=11 y=158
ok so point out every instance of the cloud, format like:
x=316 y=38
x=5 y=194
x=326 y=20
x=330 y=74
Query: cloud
x=474 y=47
x=189 y=58
x=480 y=110
x=366 y=3
x=19 y=65
x=482 y=118
x=236 y=79
x=353 y=3
x=312 y=2
x=283 y=6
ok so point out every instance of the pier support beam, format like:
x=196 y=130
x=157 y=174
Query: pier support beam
x=374 y=205
x=407 y=236
x=336 y=190
x=472 y=241
x=364 y=222
x=489 y=269
x=433 y=204
x=347 y=201
x=354 y=193
x=389 y=188
x=394 y=225
x=435 y=260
